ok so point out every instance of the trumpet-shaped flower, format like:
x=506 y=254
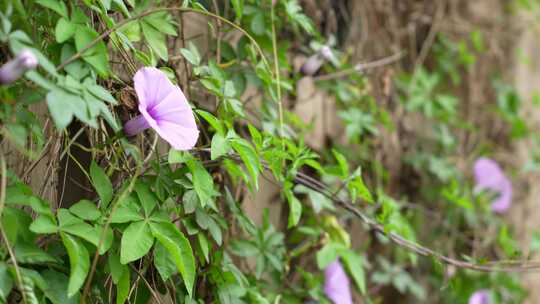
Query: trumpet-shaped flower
x=336 y=284
x=13 y=69
x=479 y=297
x=488 y=175
x=163 y=108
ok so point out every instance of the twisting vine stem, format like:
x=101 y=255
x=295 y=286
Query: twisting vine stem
x=3 y=186
x=276 y=72
x=494 y=266
x=15 y=264
x=320 y=187
x=117 y=26
x=3 y=183
x=120 y=198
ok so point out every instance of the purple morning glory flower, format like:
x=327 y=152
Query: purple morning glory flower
x=314 y=63
x=489 y=175
x=163 y=108
x=13 y=69
x=480 y=297
x=336 y=284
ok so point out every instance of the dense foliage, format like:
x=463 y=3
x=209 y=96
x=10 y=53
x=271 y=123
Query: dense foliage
x=168 y=225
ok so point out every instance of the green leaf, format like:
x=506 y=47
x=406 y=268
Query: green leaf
x=6 y=283
x=220 y=146
x=244 y=248
x=115 y=267
x=357 y=188
x=202 y=218
x=97 y=56
x=64 y=30
x=28 y=253
x=202 y=182
x=177 y=157
x=43 y=224
x=120 y=276
x=155 y=39
x=162 y=22
x=16 y=224
x=18 y=193
x=249 y=158
x=75 y=226
x=256 y=136
x=191 y=54
x=296 y=17
x=179 y=248
x=101 y=183
x=190 y=201
x=123 y=287
x=79 y=263
x=164 y=262
x=55 y=5
x=318 y=200
x=124 y=214
x=137 y=240
x=355 y=265
x=295 y=209
x=213 y=121
x=215 y=231
x=328 y=254
x=205 y=247
x=238 y=6
x=342 y=163
x=146 y=197
x=61 y=107
x=57 y=286
x=258 y=26
x=101 y=93
x=86 y=210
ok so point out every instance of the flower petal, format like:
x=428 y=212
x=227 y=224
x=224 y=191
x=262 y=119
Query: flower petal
x=487 y=173
x=15 y=68
x=503 y=202
x=480 y=297
x=174 y=108
x=180 y=137
x=152 y=86
x=312 y=65
x=336 y=284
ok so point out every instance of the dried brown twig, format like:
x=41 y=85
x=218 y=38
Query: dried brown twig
x=494 y=266
x=360 y=67
x=320 y=187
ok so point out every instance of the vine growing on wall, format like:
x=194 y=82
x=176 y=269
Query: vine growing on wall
x=172 y=134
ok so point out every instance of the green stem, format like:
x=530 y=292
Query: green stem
x=157 y=10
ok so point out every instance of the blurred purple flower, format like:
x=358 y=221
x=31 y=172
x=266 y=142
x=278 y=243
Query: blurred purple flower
x=163 y=108
x=336 y=284
x=488 y=175
x=315 y=61
x=480 y=297
x=326 y=52
x=13 y=69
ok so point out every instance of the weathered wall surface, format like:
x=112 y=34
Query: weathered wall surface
x=526 y=216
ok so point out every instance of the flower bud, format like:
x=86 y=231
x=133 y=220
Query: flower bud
x=480 y=297
x=314 y=63
x=326 y=53
x=13 y=69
